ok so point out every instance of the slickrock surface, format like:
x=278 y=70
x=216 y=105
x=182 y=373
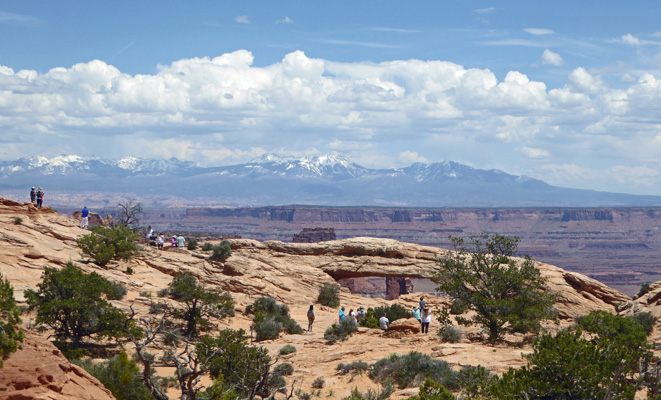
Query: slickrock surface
x=40 y=371
x=291 y=273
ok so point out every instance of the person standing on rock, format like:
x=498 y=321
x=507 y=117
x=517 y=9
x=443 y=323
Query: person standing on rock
x=341 y=317
x=84 y=218
x=421 y=303
x=159 y=241
x=181 y=242
x=415 y=312
x=33 y=195
x=426 y=319
x=383 y=322
x=311 y=317
x=40 y=197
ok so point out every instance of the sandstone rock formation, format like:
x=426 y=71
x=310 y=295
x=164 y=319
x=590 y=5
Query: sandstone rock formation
x=315 y=235
x=94 y=218
x=291 y=273
x=39 y=371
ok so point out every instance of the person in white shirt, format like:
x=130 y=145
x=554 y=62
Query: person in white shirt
x=383 y=322
x=426 y=319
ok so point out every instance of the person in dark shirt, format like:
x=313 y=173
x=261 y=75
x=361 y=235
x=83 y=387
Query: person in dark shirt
x=33 y=195
x=84 y=219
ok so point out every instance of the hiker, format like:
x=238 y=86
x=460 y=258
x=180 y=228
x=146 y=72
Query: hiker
x=426 y=319
x=84 y=218
x=360 y=315
x=342 y=317
x=311 y=317
x=33 y=195
x=173 y=241
x=40 y=197
x=421 y=304
x=181 y=241
x=415 y=312
x=150 y=233
x=352 y=316
x=383 y=322
x=159 y=241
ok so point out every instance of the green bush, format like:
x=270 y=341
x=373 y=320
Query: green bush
x=199 y=304
x=104 y=244
x=474 y=381
x=268 y=329
x=371 y=394
x=329 y=295
x=271 y=318
x=10 y=318
x=412 y=369
x=120 y=375
x=117 y=291
x=647 y=320
x=72 y=303
x=192 y=244
x=393 y=313
x=318 y=383
x=221 y=252
x=644 y=289
x=340 y=331
x=284 y=369
x=356 y=367
x=18 y=220
x=458 y=307
x=207 y=247
x=431 y=390
x=287 y=349
x=449 y=333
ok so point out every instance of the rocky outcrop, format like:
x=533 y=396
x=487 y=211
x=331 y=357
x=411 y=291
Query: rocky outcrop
x=397 y=286
x=406 y=326
x=648 y=302
x=315 y=235
x=39 y=371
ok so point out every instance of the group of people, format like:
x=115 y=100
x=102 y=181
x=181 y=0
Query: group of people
x=175 y=241
x=37 y=196
x=353 y=316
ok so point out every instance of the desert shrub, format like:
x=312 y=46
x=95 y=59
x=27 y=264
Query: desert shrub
x=104 y=244
x=340 y=331
x=380 y=394
x=329 y=295
x=198 y=303
x=431 y=390
x=207 y=246
x=303 y=395
x=268 y=329
x=192 y=244
x=271 y=318
x=120 y=375
x=18 y=220
x=412 y=369
x=449 y=333
x=287 y=349
x=221 y=252
x=647 y=320
x=393 y=313
x=10 y=317
x=275 y=383
x=458 y=307
x=117 y=291
x=284 y=369
x=474 y=381
x=356 y=367
x=129 y=271
x=72 y=303
x=644 y=289
x=318 y=383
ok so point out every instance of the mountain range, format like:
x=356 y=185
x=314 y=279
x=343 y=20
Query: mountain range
x=330 y=179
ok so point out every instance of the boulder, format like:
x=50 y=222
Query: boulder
x=410 y=325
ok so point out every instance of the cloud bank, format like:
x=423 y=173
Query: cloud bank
x=224 y=110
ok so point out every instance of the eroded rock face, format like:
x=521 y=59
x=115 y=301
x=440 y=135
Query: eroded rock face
x=315 y=235
x=40 y=371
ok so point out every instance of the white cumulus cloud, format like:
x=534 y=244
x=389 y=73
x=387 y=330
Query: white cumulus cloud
x=242 y=19
x=551 y=58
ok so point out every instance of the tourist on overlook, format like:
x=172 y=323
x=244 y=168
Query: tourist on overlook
x=426 y=319
x=415 y=312
x=341 y=317
x=181 y=242
x=84 y=218
x=40 y=197
x=311 y=317
x=360 y=315
x=421 y=304
x=33 y=195
x=159 y=241
x=173 y=241
x=383 y=322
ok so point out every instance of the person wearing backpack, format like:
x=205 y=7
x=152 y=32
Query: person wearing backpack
x=40 y=197
x=33 y=195
x=311 y=317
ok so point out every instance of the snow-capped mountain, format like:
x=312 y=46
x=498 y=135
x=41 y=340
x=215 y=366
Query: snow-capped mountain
x=330 y=179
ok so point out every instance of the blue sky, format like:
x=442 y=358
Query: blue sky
x=563 y=91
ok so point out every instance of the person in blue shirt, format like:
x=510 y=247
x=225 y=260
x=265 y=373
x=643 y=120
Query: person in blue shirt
x=84 y=220
x=342 y=316
x=415 y=312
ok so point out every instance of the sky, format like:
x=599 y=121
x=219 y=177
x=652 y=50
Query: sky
x=564 y=91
